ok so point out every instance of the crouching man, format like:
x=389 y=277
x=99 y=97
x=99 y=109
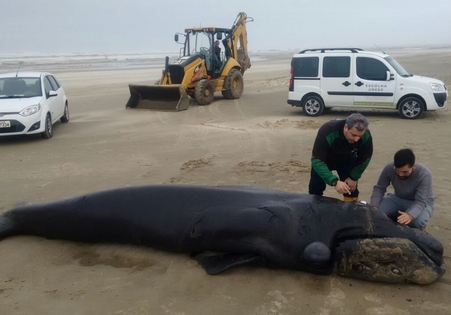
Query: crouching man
x=412 y=203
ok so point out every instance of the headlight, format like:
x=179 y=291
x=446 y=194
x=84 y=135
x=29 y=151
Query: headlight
x=436 y=86
x=30 y=110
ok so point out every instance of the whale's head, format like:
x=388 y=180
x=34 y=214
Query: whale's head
x=371 y=246
x=359 y=241
x=391 y=259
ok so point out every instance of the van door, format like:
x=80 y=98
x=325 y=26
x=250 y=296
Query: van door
x=337 y=81
x=373 y=87
x=304 y=78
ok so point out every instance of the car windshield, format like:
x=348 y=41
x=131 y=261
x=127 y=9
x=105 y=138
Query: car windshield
x=401 y=71
x=20 y=87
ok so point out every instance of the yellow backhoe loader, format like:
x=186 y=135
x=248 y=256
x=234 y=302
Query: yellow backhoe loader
x=200 y=71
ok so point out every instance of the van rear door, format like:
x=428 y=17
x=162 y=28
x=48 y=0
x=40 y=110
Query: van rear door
x=304 y=77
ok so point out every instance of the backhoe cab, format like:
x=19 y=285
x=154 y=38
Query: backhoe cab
x=199 y=72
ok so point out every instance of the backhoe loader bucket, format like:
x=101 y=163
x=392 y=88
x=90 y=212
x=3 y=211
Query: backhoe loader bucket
x=159 y=97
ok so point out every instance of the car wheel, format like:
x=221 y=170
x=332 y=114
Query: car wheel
x=313 y=106
x=411 y=108
x=65 y=117
x=48 y=131
x=204 y=92
x=233 y=85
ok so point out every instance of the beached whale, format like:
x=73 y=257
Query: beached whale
x=241 y=225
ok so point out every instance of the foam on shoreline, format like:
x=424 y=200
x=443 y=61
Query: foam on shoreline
x=138 y=60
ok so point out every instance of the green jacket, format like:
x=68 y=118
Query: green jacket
x=331 y=149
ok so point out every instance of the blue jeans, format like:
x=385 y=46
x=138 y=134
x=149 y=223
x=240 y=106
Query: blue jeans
x=317 y=184
x=391 y=204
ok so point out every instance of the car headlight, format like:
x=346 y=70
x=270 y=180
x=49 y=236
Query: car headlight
x=437 y=86
x=30 y=110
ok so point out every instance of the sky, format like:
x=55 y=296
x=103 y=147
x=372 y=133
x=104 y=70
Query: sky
x=120 y=26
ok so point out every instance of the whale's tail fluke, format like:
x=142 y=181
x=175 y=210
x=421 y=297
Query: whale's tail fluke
x=6 y=227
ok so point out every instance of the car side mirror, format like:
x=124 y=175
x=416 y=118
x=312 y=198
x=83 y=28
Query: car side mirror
x=52 y=94
x=176 y=37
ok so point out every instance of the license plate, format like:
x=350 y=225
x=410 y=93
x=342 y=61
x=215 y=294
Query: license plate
x=5 y=124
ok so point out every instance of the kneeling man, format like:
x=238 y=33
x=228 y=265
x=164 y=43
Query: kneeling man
x=412 y=203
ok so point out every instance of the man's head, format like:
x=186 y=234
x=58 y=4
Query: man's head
x=404 y=163
x=355 y=126
x=217 y=43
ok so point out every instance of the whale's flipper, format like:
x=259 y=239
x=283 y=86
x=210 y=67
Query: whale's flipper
x=214 y=264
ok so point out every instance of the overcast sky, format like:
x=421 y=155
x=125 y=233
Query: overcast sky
x=105 y=26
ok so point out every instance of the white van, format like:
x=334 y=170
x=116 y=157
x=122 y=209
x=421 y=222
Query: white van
x=355 y=78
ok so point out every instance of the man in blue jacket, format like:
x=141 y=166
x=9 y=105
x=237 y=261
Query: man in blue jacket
x=345 y=146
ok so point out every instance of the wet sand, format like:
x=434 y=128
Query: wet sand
x=258 y=140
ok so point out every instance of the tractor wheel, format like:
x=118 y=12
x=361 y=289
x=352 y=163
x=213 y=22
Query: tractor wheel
x=204 y=92
x=233 y=85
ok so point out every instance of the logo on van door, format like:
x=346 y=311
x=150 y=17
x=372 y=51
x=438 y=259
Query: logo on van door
x=376 y=87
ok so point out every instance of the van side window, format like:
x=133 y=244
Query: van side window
x=305 y=67
x=371 y=69
x=336 y=67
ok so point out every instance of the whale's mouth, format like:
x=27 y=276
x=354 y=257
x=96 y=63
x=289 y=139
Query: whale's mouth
x=386 y=259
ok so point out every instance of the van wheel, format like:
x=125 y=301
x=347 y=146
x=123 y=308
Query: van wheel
x=313 y=106
x=204 y=92
x=233 y=85
x=411 y=108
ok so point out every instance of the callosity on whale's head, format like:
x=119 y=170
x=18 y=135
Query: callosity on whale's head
x=393 y=260
x=365 y=244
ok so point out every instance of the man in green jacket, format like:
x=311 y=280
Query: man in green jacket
x=345 y=146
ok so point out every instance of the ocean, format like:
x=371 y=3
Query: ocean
x=99 y=61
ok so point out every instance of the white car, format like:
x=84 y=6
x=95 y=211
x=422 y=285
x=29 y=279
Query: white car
x=30 y=103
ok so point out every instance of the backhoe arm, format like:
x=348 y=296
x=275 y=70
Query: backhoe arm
x=237 y=42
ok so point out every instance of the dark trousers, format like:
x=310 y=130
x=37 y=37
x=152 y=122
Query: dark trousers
x=317 y=184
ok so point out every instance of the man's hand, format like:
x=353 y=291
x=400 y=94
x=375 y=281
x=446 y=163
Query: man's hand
x=342 y=188
x=352 y=184
x=404 y=218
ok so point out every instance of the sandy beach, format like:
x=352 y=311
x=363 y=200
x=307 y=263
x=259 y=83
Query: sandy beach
x=258 y=140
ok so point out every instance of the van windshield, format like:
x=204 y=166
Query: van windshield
x=401 y=71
